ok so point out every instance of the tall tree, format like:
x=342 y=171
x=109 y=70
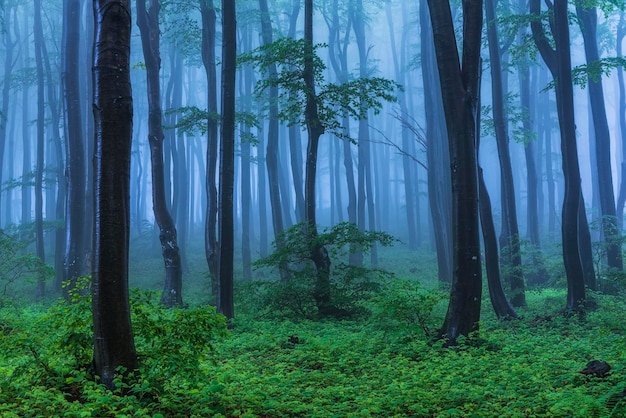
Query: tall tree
x=9 y=48
x=621 y=199
x=114 y=345
x=589 y=22
x=459 y=90
x=74 y=149
x=437 y=151
x=558 y=61
x=271 y=155
x=510 y=229
x=207 y=11
x=38 y=31
x=227 y=161
x=148 y=22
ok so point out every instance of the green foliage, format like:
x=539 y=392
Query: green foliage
x=350 y=284
x=529 y=367
x=18 y=265
x=353 y=98
x=45 y=360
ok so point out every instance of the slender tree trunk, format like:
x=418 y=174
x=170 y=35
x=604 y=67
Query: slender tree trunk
x=208 y=59
x=9 y=47
x=559 y=63
x=271 y=156
x=227 y=161
x=589 y=21
x=437 y=152
x=510 y=230
x=621 y=199
x=38 y=31
x=148 y=23
x=114 y=346
x=74 y=149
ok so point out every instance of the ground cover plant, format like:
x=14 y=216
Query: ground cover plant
x=384 y=364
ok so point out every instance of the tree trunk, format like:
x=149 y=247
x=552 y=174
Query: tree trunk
x=38 y=31
x=510 y=230
x=459 y=90
x=148 y=23
x=559 y=63
x=9 y=47
x=227 y=161
x=208 y=59
x=315 y=129
x=588 y=19
x=114 y=346
x=437 y=152
x=74 y=149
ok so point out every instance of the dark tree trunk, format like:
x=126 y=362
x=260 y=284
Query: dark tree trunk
x=315 y=129
x=227 y=161
x=500 y=303
x=621 y=199
x=559 y=63
x=148 y=23
x=437 y=152
x=114 y=346
x=39 y=237
x=510 y=230
x=459 y=90
x=271 y=156
x=589 y=21
x=74 y=149
x=208 y=59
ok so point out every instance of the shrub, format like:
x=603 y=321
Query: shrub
x=350 y=284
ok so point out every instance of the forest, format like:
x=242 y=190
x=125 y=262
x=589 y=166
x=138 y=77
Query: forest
x=299 y=208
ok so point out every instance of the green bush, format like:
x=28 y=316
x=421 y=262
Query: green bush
x=350 y=285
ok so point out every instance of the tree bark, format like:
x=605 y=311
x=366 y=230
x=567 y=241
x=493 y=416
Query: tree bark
x=148 y=23
x=114 y=346
x=459 y=90
x=227 y=161
x=208 y=59
x=74 y=149
x=589 y=21
x=559 y=63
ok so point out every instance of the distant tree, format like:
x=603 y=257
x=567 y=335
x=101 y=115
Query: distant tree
x=459 y=90
x=437 y=151
x=39 y=237
x=114 y=347
x=559 y=63
x=621 y=199
x=148 y=22
x=226 y=225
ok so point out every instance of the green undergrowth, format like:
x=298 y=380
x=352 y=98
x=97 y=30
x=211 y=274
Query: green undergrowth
x=384 y=365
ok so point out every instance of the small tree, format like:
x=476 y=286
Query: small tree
x=313 y=102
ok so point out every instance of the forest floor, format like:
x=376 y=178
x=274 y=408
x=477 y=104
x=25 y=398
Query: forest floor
x=384 y=364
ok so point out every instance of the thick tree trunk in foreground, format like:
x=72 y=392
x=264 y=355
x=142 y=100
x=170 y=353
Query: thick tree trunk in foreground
x=459 y=90
x=148 y=22
x=114 y=346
